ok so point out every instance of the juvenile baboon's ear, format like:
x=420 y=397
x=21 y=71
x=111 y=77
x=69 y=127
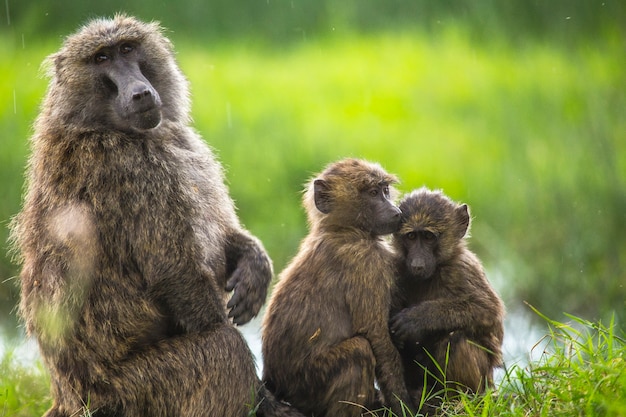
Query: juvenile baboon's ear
x=463 y=220
x=322 y=196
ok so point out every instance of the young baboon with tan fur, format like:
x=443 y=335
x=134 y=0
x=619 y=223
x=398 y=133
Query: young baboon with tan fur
x=445 y=309
x=130 y=242
x=325 y=334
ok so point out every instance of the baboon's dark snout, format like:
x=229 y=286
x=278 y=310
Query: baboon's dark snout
x=143 y=97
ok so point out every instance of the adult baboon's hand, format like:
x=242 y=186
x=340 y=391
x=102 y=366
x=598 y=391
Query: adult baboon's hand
x=249 y=279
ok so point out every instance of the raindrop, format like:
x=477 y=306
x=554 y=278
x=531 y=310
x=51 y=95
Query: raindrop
x=6 y=3
x=229 y=116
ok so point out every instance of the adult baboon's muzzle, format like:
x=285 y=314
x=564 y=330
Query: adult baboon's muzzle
x=137 y=101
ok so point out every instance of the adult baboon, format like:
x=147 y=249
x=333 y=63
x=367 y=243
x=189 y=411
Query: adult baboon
x=325 y=334
x=129 y=239
x=445 y=308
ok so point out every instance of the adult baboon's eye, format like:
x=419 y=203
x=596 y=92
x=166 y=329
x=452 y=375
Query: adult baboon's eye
x=411 y=236
x=100 y=57
x=386 y=191
x=374 y=192
x=126 y=48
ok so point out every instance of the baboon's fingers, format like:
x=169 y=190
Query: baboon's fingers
x=249 y=285
x=244 y=303
x=239 y=310
x=403 y=329
x=395 y=327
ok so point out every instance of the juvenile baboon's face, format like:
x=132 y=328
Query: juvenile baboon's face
x=420 y=248
x=369 y=209
x=433 y=226
x=355 y=194
x=135 y=102
x=379 y=214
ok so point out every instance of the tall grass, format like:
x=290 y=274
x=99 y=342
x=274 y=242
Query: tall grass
x=579 y=371
x=24 y=388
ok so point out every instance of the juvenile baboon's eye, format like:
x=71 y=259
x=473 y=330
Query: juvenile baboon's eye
x=411 y=236
x=100 y=57
x=428 y=236
x=374 y=192
x=386 y=191
x=126 y=48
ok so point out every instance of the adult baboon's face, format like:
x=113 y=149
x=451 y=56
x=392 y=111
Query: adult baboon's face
x=117 y=75
x=135 y=102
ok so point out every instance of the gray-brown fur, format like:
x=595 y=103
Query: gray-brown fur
x=444 y=305
x=129 y=241
x=325 y=334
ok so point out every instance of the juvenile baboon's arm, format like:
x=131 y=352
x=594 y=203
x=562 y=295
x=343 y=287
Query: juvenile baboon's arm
x=369 y=310
x=248 y=274
x=389 y=372
x=462 y=300
x=415 y=323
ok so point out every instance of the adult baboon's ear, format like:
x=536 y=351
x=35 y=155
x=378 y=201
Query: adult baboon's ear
x=462 y=220
x=321 y=196
x=53 y=64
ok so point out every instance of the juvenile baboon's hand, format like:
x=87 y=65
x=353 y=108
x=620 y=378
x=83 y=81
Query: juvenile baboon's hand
x=405 y=328
x=250 y=277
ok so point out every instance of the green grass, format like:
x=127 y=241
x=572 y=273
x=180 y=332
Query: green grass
x=580 y=371
x=532 y=137
x=24 y=390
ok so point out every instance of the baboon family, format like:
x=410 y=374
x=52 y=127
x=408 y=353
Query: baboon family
x=129 y=246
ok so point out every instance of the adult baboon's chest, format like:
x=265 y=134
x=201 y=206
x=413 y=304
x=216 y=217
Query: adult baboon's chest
x=141 y=209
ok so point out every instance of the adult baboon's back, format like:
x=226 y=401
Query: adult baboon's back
x=129 y=240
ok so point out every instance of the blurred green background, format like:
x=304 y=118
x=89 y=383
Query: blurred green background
x=517 y=108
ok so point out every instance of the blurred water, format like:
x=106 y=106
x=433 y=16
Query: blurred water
x=24 y=350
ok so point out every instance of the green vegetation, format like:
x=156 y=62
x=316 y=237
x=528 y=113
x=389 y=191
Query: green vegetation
x=578 y=369
x=24 y=389
x=287 y=21
x=530 y=137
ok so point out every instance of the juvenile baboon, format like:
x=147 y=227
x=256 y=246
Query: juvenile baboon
x=325 y=334
x=129 y=240
x=445 y=309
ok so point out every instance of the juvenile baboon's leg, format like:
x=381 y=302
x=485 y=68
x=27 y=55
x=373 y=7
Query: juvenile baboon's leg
x=347 y=370
x=468 y=365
